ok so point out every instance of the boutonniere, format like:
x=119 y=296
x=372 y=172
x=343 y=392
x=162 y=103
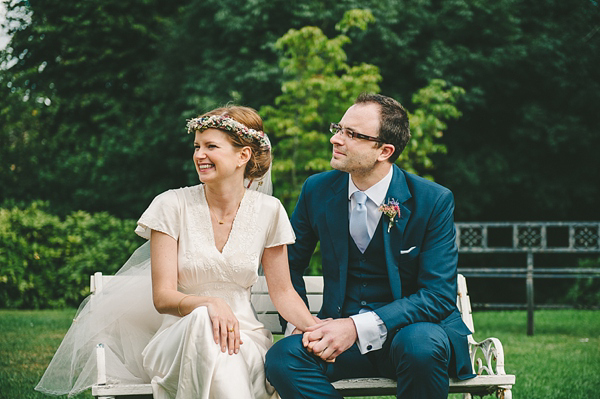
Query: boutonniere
x=391 y=210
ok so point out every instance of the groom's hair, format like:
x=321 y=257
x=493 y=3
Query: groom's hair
x=393 y=121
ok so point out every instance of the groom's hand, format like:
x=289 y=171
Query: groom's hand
x=331 y=338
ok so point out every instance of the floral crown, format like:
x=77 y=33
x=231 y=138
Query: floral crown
x=225 y=122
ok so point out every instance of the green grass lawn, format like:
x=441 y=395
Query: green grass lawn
x=562 y=359
x=28 y=340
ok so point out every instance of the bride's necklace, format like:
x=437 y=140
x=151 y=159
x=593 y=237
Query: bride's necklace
x=215 y=216
x=222 y=221
x=223 y=218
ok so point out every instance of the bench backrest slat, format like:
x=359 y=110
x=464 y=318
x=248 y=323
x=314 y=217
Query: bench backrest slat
x=464 y=303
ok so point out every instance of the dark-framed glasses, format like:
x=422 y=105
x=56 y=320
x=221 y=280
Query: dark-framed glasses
x=334 y=128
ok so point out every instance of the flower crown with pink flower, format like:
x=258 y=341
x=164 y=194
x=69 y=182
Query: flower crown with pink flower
x=227 y=123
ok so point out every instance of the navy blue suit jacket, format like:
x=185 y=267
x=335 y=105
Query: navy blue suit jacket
x=423 y=281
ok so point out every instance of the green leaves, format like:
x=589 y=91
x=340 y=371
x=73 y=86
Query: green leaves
x=318 y=87
x=94 y=95
x=355 y=19
x=436 y=104
x=46 y=261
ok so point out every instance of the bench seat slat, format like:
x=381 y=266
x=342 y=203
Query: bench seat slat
x=349 y=387
x=121 y=389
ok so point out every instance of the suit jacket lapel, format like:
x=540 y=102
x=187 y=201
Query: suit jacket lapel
x=393 y=240
x=337 y=222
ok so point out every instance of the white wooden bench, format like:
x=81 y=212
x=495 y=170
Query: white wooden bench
x=487 y=356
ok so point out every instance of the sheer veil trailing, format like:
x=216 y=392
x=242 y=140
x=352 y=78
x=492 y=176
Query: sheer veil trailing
x=123 y=318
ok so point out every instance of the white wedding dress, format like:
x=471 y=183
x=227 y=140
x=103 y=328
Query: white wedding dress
x=178 y=355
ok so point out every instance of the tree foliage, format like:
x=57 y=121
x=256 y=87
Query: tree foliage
x=78 y=79
x=94 y=95
x=319 y=85
x=523 y=148
x=318 y=88
x=436 y=104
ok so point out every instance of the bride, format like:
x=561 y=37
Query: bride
x=201 y=338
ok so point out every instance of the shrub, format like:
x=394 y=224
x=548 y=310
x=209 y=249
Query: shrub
x=585 y=292
x=45 y=262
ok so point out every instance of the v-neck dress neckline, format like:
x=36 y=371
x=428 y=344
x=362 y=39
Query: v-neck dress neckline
x=234 y=223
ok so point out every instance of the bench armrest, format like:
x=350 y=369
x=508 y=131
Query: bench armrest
x=487 y=356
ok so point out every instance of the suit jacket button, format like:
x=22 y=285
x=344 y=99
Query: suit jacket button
x=339 y=309
x=369 y=347
x=364 y=303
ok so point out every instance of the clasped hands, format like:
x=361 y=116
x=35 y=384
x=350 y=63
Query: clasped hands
x=329 y=338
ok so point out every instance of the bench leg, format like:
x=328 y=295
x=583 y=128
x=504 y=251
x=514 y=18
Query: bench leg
x=504 y=393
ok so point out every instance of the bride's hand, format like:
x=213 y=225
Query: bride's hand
x=226 y=329
x=317 y=321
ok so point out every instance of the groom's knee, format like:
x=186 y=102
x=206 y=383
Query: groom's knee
x=420 y=347
x=283 y=357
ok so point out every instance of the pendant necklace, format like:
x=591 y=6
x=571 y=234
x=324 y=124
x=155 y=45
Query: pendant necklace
x=215 y=216
x=221 y=221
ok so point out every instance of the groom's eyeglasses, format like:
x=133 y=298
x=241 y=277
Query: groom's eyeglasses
x=334 y=128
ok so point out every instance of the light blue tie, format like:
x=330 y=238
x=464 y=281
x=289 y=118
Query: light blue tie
x=358 y=221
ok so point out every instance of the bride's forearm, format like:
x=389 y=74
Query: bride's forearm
x=177 y=303
x=291 y=307
x=285 y=298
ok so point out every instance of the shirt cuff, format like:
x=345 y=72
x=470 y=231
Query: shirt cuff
x=371 y=331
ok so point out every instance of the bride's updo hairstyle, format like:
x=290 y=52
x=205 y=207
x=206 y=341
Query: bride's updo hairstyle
x=260 y=160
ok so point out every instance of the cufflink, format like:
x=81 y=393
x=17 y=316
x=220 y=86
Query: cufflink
x=369 y=347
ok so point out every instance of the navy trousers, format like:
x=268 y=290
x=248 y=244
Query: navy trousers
x=417 y=357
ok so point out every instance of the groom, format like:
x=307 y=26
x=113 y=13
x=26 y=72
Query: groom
x=389 y=300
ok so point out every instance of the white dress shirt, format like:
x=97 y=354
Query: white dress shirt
x=370 y=328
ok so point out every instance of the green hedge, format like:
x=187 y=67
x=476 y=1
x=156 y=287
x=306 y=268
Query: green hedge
x=46 y=261
x=585 y=292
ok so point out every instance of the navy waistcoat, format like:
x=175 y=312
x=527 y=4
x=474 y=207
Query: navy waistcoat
x=368 y=285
